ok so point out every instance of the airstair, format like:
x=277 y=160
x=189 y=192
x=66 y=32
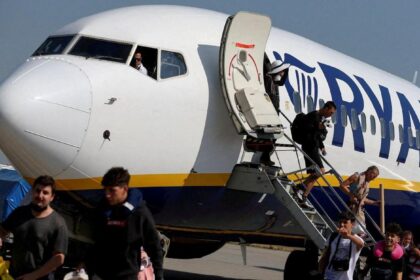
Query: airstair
x=241 y=64
x=315 y=220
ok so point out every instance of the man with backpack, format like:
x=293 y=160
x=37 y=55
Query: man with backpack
x=342 y=250
x=310 y=131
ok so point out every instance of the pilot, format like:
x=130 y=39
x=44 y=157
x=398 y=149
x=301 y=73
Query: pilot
x=138 y=65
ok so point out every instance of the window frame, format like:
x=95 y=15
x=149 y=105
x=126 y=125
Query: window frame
x=372 y=125
x=354 y=119
x=401 y=133
x=391 y=131
x=74 y=38
x=343 y=114
x=363 y=122
x=296 y=98
x=160 y=50
x=80 y=36
x=383 y=128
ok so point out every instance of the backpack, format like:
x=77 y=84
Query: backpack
x=298 y=128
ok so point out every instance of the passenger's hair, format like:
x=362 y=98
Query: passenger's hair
x=346 y=215
x=45 y=180
x=406 y=232
x=373 y=168
x=393 y=228
x=116 y=176
x=329 y=105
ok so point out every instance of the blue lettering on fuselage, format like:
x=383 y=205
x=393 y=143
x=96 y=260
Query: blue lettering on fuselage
x=384 y=112
x=409 y=114
x=307 y=85
x=333 y=75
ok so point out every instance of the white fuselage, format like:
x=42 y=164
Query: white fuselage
x=176 y=132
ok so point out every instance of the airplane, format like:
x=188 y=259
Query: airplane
x=77 y=107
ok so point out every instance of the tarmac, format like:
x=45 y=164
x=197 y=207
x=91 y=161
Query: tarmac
x=227 y=264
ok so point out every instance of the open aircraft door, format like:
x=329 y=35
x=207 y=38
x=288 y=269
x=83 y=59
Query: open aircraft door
x=241 y=61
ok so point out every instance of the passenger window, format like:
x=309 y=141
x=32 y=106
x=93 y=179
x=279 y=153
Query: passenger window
x=353 y=119
x=391 y=131
x=383 y=130
x=410 y=137
x=343 y=116
x=418 y=139
x=147 y=65
x=172 y=64
x=363 y=121
x=321 y=103
x=101 y=49
x=297 y=102
x=372 y=125
x=54 y=45
x=401 y=132
x=310 y=103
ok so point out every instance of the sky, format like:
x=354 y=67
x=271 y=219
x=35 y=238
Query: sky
x=383 y=33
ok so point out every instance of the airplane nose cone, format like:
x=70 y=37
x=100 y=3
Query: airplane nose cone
x=44 y=114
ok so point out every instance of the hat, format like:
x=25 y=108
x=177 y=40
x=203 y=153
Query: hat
x=278 y=66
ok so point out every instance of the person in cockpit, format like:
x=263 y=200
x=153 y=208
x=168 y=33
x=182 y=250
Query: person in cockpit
x=138 y=65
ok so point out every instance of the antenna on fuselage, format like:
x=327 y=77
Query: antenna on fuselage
x=415 y=77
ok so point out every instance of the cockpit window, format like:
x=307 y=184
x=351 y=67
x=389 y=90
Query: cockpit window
x=172 y=64
x=101 y=49
x=53 y=45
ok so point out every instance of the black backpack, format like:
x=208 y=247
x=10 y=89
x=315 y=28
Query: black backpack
x=298 y=128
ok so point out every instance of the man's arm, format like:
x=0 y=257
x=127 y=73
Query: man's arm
x=52 y=264
x=368 y=201
x=353 y=238
x=344 y=186
x=357 y=241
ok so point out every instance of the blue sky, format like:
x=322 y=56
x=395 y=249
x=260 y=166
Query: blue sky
x=383 y=33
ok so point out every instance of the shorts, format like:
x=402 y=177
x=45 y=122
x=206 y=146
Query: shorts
x=313 y=153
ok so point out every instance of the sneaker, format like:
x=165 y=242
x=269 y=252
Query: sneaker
x=299 y=195
x=305 y=203
x=267 y=162
x=299 y=190
x=300 y=187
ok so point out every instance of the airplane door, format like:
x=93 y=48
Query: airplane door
x=241 y=61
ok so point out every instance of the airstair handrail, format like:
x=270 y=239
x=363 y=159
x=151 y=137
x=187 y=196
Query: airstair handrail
x=334 y=192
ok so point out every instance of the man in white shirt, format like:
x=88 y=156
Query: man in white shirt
x=345 y=249
x=138 y=65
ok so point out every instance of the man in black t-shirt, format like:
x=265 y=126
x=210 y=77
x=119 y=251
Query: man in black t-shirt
x=40 y=234
x=315 y=133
